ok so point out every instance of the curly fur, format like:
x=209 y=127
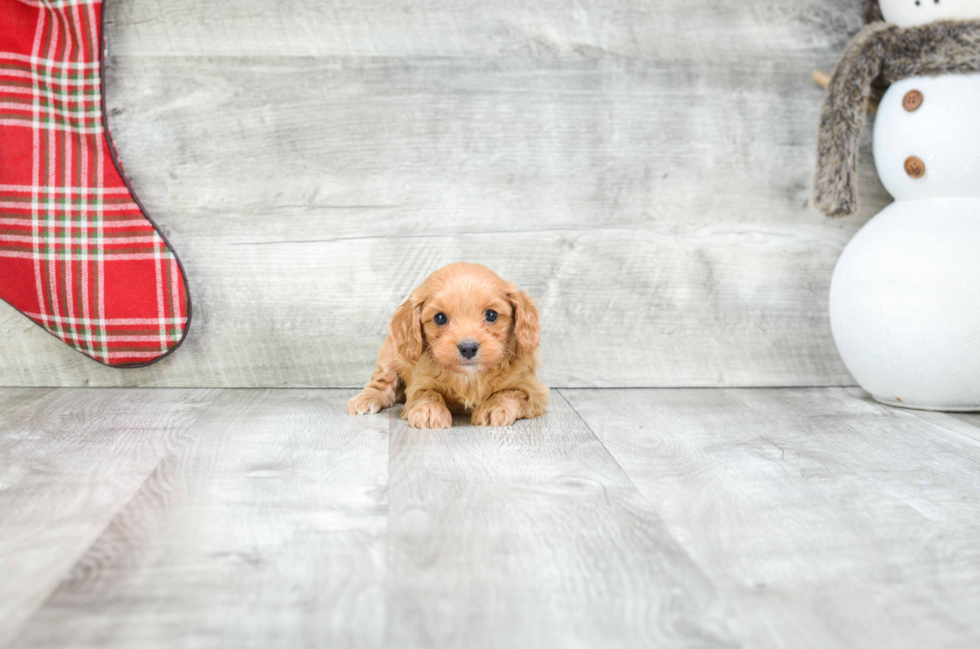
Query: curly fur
x=880 y=55
x=420 y=361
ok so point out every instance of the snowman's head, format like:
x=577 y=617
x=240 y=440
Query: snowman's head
x=911 y=13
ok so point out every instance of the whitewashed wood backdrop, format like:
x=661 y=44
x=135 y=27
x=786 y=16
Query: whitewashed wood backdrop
x=642 y=167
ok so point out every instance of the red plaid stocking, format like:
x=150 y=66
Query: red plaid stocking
x=77 y=253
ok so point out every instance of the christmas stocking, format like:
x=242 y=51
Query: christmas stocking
x=78 y=255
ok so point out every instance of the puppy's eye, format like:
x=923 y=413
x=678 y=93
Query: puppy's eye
x=491 y=315
x=441 y=319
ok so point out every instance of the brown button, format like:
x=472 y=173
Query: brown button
x=915 y=167
x=912 y=100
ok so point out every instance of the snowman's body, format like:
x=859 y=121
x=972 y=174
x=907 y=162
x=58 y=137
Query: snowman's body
x=905 y=297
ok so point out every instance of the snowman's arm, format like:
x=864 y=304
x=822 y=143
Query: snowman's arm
x=822 y=79
x=842 y=118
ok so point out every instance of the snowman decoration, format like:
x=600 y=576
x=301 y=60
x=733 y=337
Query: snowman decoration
x=905 y=295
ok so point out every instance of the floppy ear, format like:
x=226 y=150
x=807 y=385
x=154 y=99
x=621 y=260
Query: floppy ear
x=527 y=330
x=406 y=331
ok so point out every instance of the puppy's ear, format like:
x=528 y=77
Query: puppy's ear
x=406 y=330
x=526 y=327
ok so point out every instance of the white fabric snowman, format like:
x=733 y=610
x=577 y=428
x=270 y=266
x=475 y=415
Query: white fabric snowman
x=905 y=295
x=909 y=13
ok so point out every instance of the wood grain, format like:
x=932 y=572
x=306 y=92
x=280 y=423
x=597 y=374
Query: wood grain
x=532 y=536
x=709 y=30
x=825 y=519
x=69 y=461
x=622 y=518
x=643 y=169
x=267 y=530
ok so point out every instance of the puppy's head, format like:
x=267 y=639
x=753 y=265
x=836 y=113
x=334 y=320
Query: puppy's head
x=467 y=319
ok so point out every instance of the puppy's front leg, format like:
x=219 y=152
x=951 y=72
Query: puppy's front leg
x=507 y=406
x=382 y=390
x=427 y=409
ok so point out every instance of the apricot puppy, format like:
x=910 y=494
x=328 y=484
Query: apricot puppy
x=465 y=341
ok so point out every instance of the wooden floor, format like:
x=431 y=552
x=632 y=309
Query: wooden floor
x=623 y=518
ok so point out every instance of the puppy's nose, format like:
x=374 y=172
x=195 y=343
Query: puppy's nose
x=468 y=349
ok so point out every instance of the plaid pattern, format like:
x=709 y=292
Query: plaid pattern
x=77 y=254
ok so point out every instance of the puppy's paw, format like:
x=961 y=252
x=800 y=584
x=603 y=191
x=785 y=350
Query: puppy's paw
x=429 y=415
x=368 y=402
x=496 y=413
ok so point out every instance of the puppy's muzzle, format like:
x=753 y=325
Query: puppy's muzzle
x=468 y=349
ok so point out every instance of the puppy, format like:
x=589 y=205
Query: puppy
x=465 y=341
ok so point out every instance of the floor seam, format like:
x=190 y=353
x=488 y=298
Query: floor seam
x=604 y=447
x=385 y=642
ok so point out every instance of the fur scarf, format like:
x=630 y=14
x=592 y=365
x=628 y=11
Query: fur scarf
x=880 y=55
x=872 y=11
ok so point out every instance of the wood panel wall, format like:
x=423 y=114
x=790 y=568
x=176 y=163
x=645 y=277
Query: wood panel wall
x=642 y=167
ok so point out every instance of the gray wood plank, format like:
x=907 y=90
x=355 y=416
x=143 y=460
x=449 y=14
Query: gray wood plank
x=265 y=530
x=532 y=536
x=69 y=461
x=322 y=320
x=826 y=520
x=711 y=30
